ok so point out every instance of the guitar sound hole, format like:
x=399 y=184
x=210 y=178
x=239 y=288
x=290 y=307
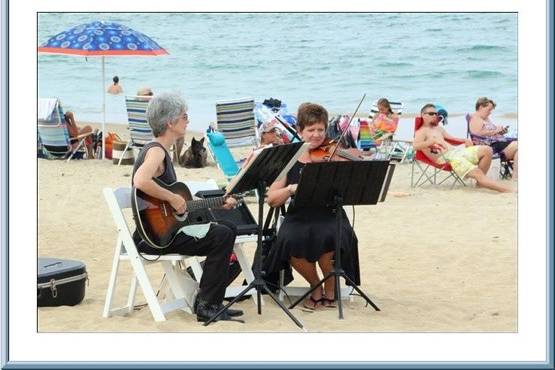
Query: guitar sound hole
x=199 y=219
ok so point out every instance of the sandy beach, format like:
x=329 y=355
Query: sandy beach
x=434 y=259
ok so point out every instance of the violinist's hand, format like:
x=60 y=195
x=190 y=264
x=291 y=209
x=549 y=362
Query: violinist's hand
x=230 y=203
x=178 y=203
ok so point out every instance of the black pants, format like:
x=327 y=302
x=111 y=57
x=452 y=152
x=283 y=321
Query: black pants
x=217 y=246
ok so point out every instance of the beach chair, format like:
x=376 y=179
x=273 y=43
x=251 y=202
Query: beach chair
x=139 y=130
x=394 y=147
x=53 y=134
x=430 y=170
x=218 y=149
x=236 y=121
x=505 y=166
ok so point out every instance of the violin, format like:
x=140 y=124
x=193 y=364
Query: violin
x=330 y=150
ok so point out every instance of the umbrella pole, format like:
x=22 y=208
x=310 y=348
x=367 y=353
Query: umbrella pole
x=103 y=112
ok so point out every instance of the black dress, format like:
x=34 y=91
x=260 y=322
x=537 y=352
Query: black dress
x=309 y=233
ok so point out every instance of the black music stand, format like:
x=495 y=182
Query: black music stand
x=337 y=184
x=269 y=165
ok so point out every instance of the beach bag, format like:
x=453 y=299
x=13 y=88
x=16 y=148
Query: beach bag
x=60 y=282
x=112 y=136
x=120 y=153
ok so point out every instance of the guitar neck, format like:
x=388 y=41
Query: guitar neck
x=193 y=205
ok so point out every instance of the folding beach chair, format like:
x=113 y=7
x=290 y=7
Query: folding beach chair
x=235 y=120
x=505 y=166
x=218 y=149
x=430 y=170
x=394 y=147
x=139 y=130
x=53 y=134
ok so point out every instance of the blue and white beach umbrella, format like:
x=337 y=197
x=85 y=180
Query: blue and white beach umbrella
x=101 y=39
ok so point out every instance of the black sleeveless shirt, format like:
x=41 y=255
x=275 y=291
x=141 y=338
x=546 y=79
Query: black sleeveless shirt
x=168 y=176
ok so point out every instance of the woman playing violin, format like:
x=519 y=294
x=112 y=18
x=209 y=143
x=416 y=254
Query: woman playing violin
x=306 y=239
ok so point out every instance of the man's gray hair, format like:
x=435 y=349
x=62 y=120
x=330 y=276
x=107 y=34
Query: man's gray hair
x=163 y=109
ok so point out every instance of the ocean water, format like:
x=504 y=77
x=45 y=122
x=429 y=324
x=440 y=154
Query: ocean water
x=329 y=58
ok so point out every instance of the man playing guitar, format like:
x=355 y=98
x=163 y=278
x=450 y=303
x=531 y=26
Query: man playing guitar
x=167 y=116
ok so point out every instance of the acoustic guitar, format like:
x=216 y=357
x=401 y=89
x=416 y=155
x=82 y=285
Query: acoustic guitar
x=157 y=222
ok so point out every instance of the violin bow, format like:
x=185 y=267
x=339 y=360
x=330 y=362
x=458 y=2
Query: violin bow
x=288 y=128
x=347 y=128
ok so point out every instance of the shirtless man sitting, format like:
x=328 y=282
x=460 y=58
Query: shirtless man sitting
x=467 y=161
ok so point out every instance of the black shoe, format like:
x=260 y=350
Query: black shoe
x=206 y=312
x=231 y=312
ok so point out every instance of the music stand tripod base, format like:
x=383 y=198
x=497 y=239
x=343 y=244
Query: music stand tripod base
x=337 y=184
x=264 y=169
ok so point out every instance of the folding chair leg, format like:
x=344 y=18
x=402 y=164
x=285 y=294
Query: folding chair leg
x=246 y=268
x=194 y=263
x=281 y=280
x=81 y=144
x=148 y=292
x=182 y=287
x=112 y=282
x=131 y=295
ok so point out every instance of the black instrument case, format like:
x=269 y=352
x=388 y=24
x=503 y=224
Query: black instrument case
x=60 y=282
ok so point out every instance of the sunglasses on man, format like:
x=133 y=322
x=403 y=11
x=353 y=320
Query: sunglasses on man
x=431 y=113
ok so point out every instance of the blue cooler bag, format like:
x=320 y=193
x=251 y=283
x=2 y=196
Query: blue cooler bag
x=60 y=282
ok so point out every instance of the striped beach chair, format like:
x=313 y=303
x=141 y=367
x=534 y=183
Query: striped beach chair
x=52 y=131
x=235 y=120
x=139 y=129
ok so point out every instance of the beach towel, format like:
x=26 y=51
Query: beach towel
x=45 y=108
x=365 y=136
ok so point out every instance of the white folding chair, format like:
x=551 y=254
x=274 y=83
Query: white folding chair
x=182 y=287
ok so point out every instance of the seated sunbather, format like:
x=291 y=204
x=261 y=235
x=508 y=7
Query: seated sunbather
x=467 y=161
x=75 y=131
x=270 y=134
x=384 y=122
x=484 y=132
